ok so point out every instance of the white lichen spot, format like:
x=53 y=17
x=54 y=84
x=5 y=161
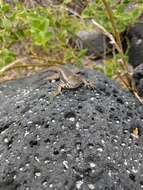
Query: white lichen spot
x=108 y=157
x=91 y=186
x=27 y=165
x=36 y=158
x=47 y=146
x=110 y=173
x=71 y=119
x=134 y=170
x=4 y=131
x=37 y=174
x=79 y=184
x=140 y=156
x=78 y=146
x=125 y=162
x=128 y=171
x=5 y=140
x=26 y=133
x=92 y=165
x=100 y=149
x=123 y=144
x=21 y=169
x=51 y=185
x=97 y=94
x=37 y=89
x=7 y=161
x=62 y=150
x=102 y=141
x=65 y=163
x=45 y=184
x=46 y=161
x=63 y=127
x=29 y=122
x=38 y=126
x=139 y=41
x=14 y=177
x=77 y=125
x=38 y=137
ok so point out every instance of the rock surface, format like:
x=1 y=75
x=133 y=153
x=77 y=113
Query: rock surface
x=135 y=35
x=96 y=43
x=138 y=79
x=82 y=140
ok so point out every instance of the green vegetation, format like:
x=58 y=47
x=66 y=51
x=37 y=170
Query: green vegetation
x=46 y=32
x=115 y=18
x=47 y=29
x=123 y=17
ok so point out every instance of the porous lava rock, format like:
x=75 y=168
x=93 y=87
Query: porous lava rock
x=79 y=140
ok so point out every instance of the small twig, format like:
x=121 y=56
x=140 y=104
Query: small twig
x=132 y=88
x=114 y=27
x=110 y=36
x=29 y=65
x=14 y=63
x=124 y=81
x=7 y=67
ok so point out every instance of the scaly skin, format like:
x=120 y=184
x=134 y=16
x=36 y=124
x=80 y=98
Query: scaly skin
x=68 y=79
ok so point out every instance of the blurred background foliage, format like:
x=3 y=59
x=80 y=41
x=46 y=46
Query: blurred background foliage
x=46 y=31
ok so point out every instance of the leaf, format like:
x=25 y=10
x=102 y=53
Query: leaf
x=6 y=23
x=5 y=8
x=38 y=22
x=67 y=1
x=6 y=57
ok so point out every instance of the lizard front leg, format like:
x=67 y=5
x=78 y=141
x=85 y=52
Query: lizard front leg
x=59 y=89
x=56 y=92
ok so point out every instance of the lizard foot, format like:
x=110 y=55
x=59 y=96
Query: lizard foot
x=90 y=85
x=58 y=91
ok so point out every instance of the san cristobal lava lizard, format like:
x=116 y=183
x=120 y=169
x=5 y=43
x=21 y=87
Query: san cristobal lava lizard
x=68 y=79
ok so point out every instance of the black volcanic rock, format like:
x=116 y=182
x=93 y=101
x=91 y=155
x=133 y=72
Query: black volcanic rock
x=135 y=35
x=138 y=79
x=81 y=140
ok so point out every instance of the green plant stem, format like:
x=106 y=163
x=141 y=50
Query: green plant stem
x=117 y=37
x=112 y=20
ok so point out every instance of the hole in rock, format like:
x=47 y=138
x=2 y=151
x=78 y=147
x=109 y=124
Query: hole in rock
x=33 y=143
x=132 y=177
x=69 y=115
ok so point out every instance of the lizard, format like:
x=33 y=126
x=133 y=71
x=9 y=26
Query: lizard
x=68 y=79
